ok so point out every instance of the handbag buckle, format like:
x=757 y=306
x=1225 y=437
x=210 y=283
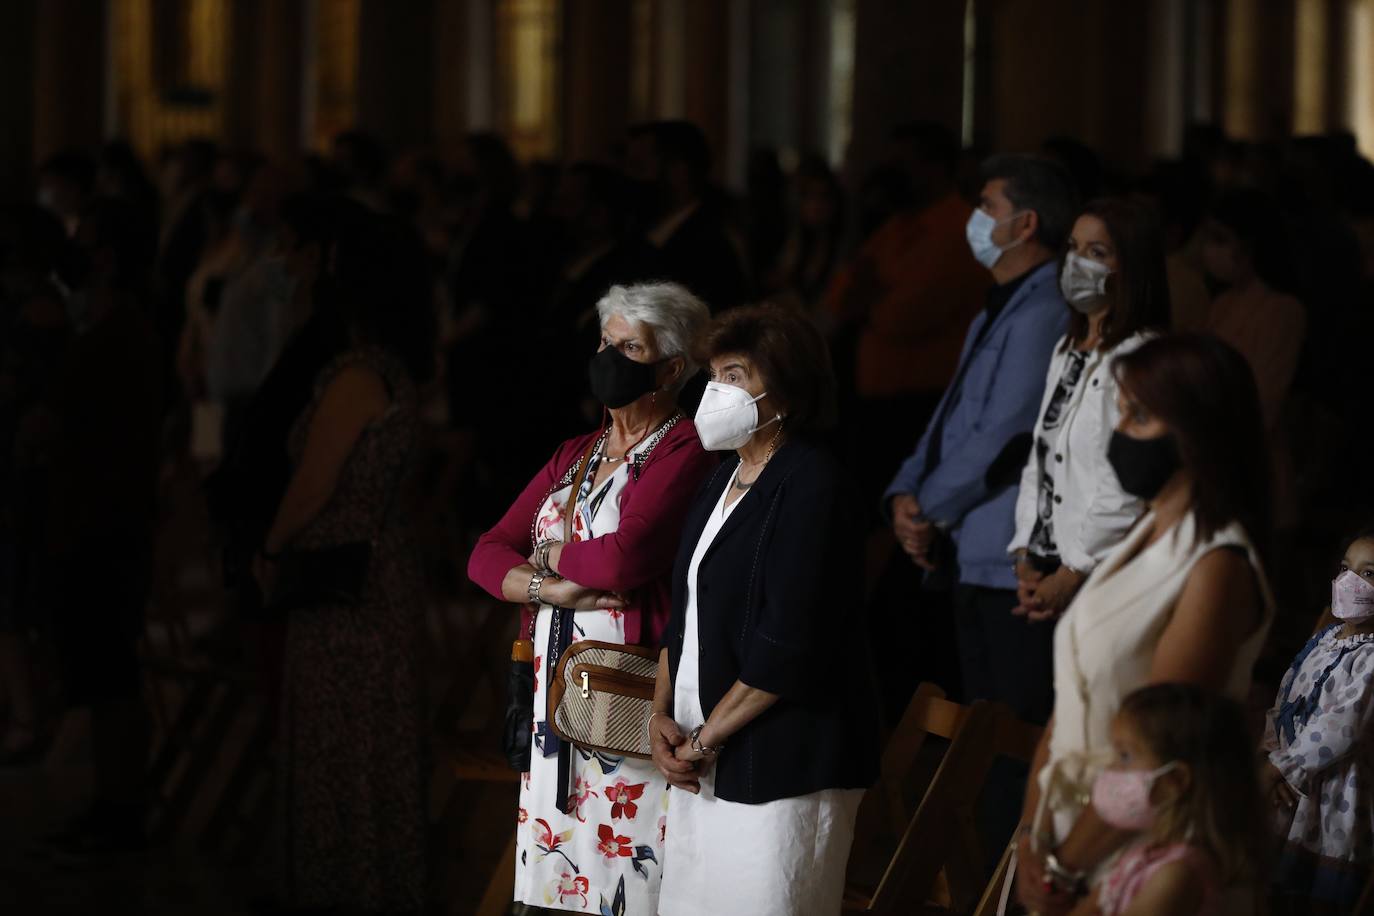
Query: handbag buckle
x=586 y=688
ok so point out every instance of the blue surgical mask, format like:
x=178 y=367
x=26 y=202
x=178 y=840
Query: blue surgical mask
x=979 y=233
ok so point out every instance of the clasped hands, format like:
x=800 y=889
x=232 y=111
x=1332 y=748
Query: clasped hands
x=673 y=754
x=1043 y=597
x=914 y=532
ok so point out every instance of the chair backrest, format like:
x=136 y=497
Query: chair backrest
x=928 y=713
x=1017 y=740
x=885 y=811
x=941 y=832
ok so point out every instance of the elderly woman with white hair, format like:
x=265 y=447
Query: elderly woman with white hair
x=597 y=833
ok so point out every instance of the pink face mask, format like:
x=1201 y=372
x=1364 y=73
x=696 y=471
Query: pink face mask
x=1352 y=597
x=1122 y=797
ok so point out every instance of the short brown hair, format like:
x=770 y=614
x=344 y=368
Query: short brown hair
x=1204 y=391
x=1219 y=810
x=789 y=353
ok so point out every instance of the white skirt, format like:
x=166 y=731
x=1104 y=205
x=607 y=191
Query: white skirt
x=780 y=858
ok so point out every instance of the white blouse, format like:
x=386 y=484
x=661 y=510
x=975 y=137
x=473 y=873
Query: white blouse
x=1091 y=513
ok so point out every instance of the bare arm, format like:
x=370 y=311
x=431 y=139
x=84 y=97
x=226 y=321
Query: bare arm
x=355 y=398
x=665 y=734
x=1218 y=609
x=1038 y=763
x=741 y=705
x=515 y=588
x=1030 y=876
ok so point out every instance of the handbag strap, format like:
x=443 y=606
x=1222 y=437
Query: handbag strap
x=583 y=467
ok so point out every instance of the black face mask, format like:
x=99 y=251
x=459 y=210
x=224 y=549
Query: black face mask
x=618 y=380
x=1143 y=466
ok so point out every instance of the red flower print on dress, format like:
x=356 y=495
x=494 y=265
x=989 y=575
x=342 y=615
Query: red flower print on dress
x=581 y=791
x=548 y=842
x=611 y=845
x=522 y=816
x=614 y=614
x=566 y=886
x=538 y=660
x=662 y=830
x=622 y=797
x=551 y=521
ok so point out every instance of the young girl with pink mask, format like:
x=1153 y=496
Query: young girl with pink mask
x=1317 y=767
x=1182 y=782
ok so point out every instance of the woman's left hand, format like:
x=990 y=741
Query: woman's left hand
x=1053 y=594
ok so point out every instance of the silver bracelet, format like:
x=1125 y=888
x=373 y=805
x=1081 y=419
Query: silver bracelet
x=649 y=726
x=695 y=743
x=541 y=556
x=536 y=581
x=1064 y=878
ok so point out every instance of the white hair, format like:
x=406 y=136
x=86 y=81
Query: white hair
x=674 y=315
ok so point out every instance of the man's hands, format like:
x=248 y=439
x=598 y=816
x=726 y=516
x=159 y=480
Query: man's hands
x=914 y=532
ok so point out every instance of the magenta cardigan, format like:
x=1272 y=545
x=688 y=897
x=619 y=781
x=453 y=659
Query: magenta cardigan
x=637 y=559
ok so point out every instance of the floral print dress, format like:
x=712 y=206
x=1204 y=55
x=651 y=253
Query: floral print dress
x=603 y=856
x=1318 y=736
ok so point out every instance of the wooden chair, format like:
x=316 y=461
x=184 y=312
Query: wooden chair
x=1017 y=740
x=939 y=836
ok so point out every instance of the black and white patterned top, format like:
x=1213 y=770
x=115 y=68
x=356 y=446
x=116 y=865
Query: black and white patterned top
x=1042 y=542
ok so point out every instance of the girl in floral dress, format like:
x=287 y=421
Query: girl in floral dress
x=1319 y=751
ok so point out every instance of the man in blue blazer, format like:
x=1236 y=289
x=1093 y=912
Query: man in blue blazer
x=952 y=503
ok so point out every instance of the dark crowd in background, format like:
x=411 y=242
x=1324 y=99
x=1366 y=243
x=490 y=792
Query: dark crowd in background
x=174 y=316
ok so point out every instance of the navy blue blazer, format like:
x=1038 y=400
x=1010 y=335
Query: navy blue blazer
x=779 y=608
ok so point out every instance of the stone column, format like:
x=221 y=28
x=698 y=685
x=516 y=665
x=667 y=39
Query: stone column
x=707 y=60
x=595 y=83
x=908 y=65
x=263 y=107
x=69 y=63
x=396 y=72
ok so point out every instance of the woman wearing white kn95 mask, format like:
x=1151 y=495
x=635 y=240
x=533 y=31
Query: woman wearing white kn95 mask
x=754 y=746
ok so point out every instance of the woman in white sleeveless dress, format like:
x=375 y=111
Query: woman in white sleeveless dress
x=1183 y=598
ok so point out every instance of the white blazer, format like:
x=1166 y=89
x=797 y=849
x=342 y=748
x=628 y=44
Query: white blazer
x=1091 y=512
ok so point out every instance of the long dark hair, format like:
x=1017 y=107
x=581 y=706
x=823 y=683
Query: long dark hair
x=1205 y=393
x=1139 y=290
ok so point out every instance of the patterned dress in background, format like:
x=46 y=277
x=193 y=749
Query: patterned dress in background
x=1318 y=736
x=602 y=857
x=352 y=760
